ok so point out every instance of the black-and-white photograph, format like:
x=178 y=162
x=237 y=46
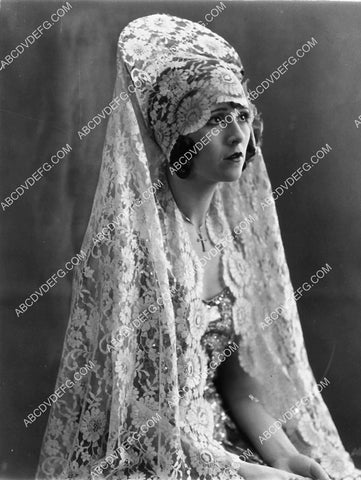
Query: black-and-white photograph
x=180 y=240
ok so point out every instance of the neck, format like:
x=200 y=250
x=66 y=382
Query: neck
x=192 y=197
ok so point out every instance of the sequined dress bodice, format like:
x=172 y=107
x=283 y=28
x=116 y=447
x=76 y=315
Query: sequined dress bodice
x=219 y=333
x=219 y=342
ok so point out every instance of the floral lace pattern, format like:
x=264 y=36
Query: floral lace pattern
x=139 y=400
x=177 y=95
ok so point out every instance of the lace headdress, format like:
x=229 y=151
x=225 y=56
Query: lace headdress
x=136 y=310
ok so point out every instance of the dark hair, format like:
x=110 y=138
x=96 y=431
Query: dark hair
x=250 y=152
x=182 y=145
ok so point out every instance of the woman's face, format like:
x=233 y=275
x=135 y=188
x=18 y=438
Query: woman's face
x=222 y=144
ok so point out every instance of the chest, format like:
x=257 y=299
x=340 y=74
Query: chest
x=212 y=270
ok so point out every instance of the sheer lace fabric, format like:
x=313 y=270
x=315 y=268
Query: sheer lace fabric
x=147 y=257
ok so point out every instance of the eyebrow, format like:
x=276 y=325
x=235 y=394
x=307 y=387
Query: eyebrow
x=220 y=109
x=224 y=109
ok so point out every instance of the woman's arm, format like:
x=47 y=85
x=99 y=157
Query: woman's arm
x=235 y=387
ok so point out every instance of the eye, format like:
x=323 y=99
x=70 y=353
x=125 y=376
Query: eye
x=243 y=116
x=216 y=119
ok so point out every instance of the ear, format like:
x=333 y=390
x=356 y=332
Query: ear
x=258 y=129
x=251 y=149
x=255 y=138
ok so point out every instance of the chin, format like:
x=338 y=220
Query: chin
x=231 y=179
x=231 y=176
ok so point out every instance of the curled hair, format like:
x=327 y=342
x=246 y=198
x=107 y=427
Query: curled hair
x=182 y=145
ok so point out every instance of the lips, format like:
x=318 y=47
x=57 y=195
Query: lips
x=235 y=156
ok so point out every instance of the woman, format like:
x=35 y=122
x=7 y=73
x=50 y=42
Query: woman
x=185 y=261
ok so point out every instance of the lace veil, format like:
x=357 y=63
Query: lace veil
x=136 y=306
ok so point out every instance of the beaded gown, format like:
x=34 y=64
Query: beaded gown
x=218 y=341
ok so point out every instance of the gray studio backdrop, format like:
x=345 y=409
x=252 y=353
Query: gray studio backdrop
x=66 y=77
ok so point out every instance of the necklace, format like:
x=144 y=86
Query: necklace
x=200 y=238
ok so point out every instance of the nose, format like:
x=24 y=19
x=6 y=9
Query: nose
x=237 y=133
